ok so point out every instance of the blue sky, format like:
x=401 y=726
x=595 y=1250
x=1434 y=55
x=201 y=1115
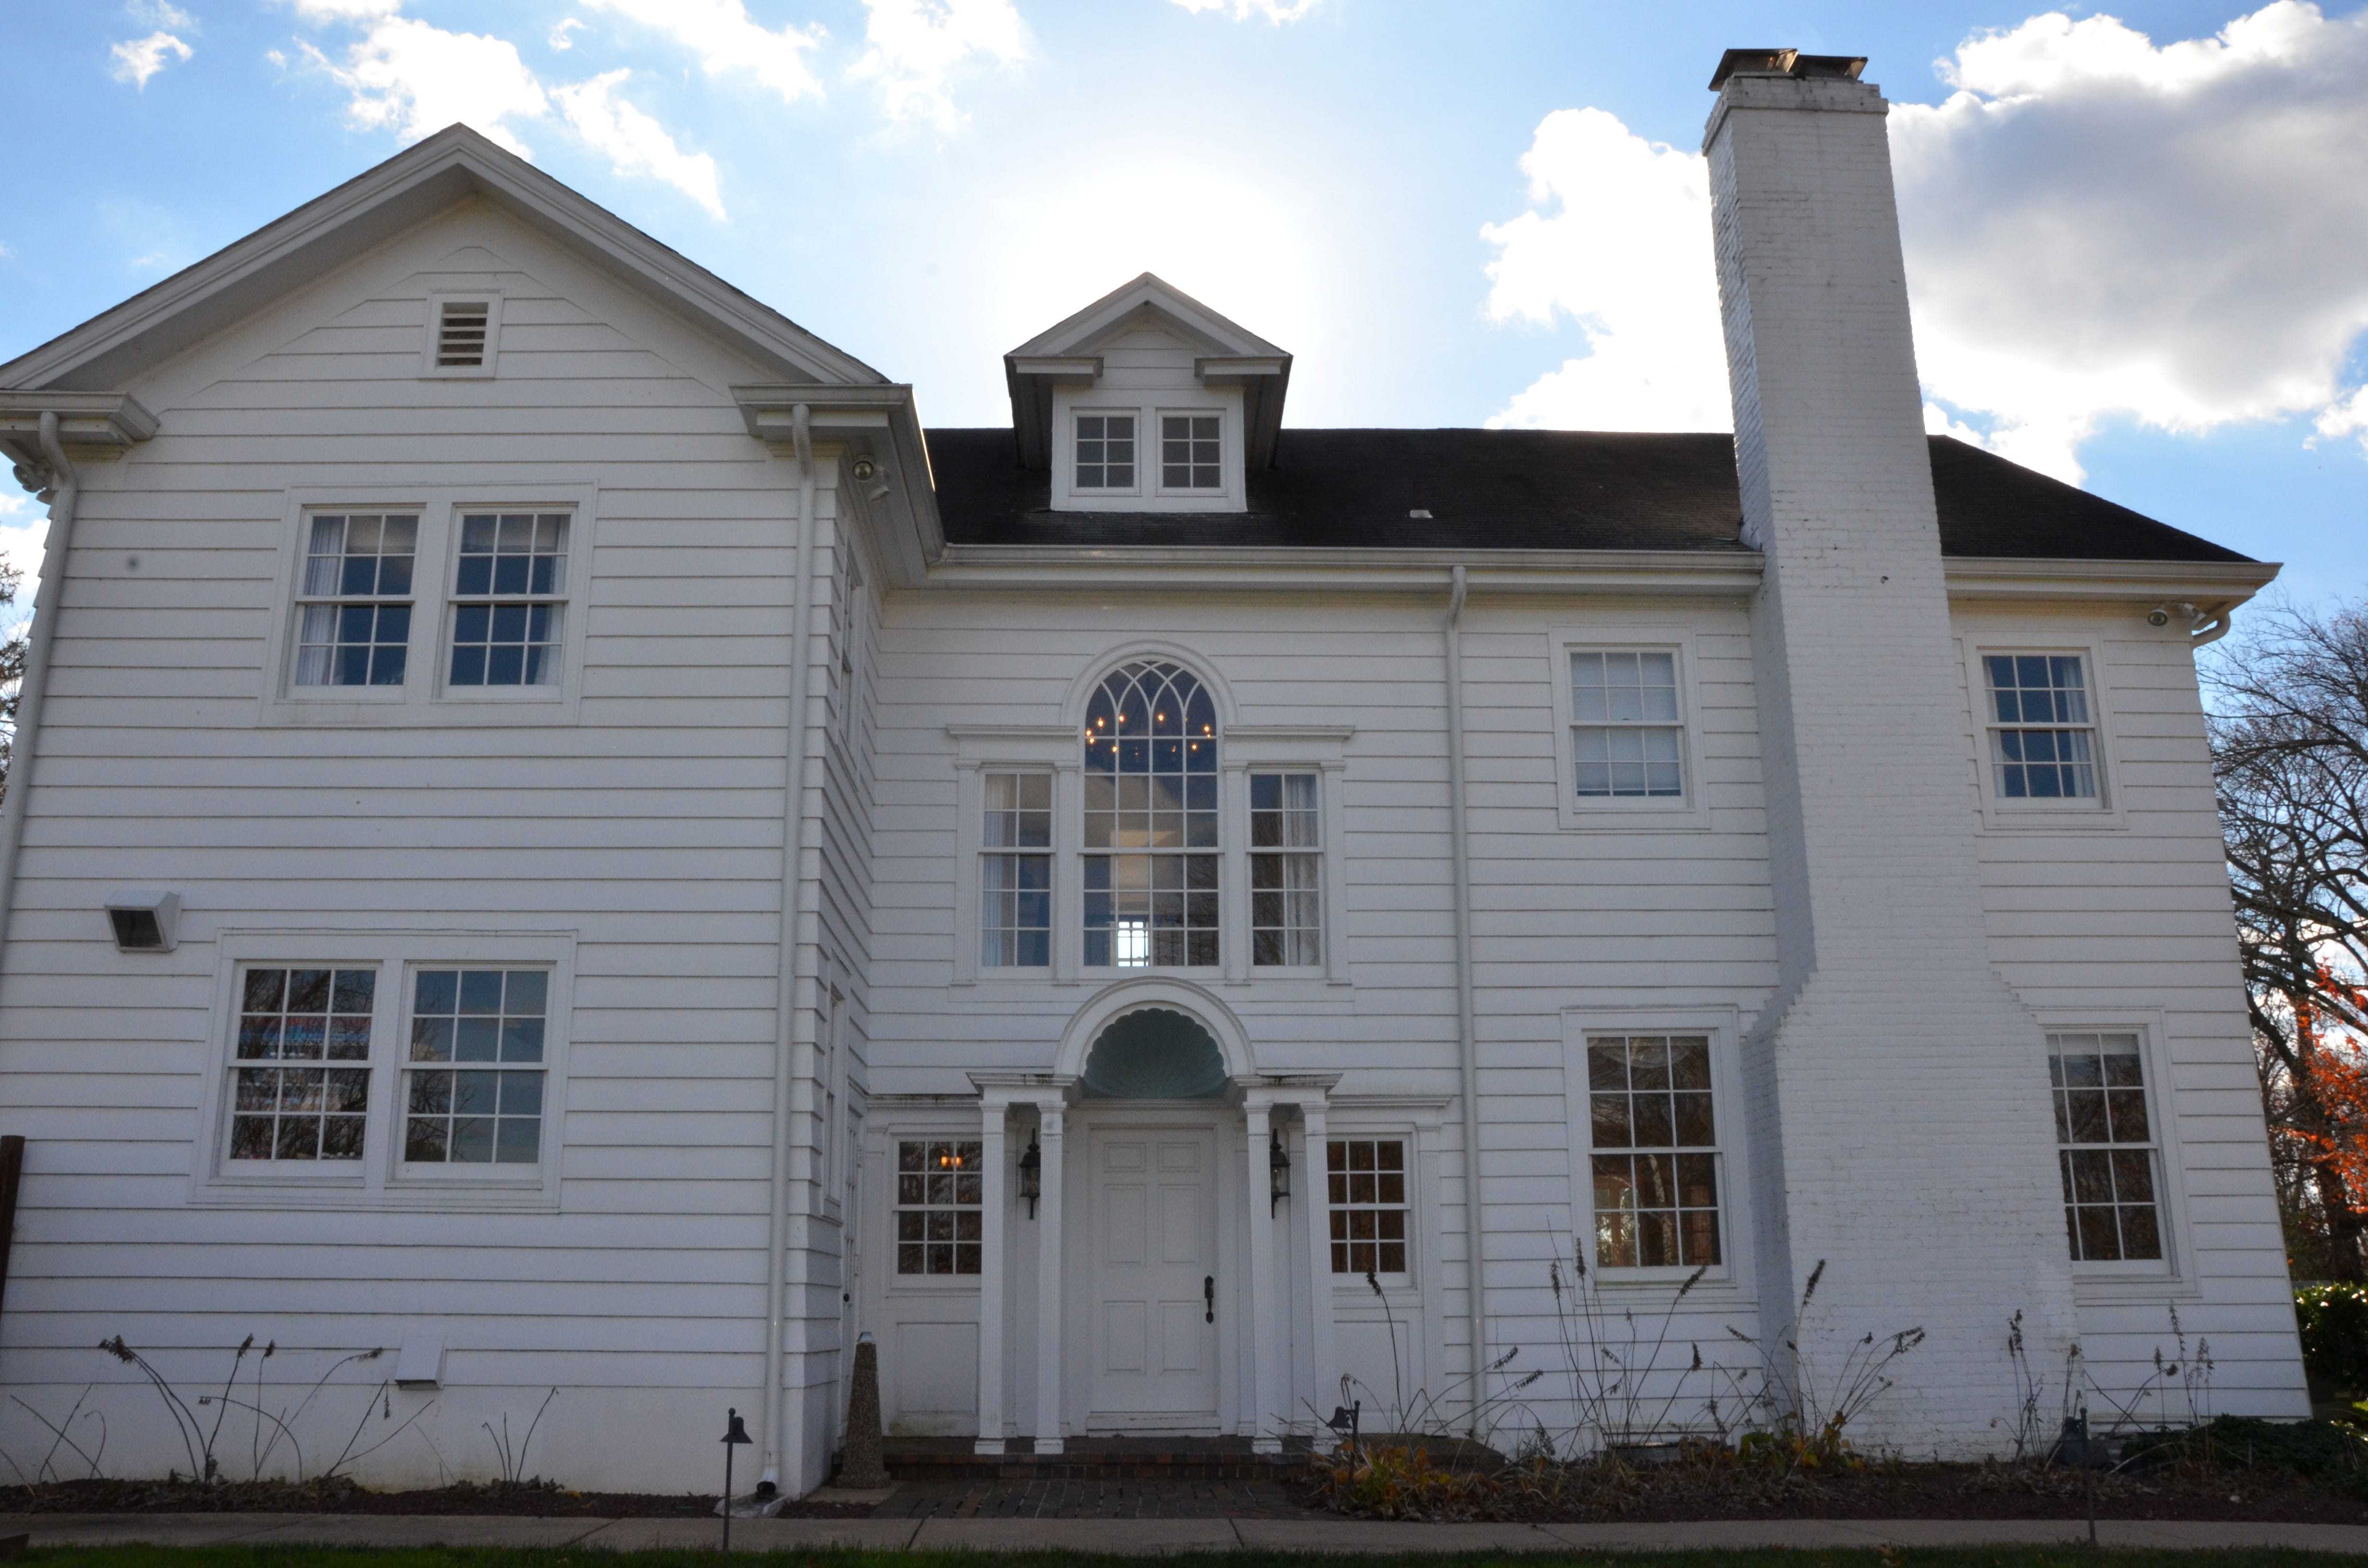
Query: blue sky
x=2134 y=237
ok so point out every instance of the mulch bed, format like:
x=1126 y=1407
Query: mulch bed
x=342 y=1496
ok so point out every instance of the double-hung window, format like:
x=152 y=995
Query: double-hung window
x=472 y=1091
x=2109 y=1157
x=940 y=1224
x=1286 y=870
x=354 y=598
x=1366 y=1179
x=1014 y=918
x=2043 y=732
x=301 y=1077
x=1152 y=856
x=1626 y=727
x=1105 y=452
x=508 y=596
x=1655 y=1153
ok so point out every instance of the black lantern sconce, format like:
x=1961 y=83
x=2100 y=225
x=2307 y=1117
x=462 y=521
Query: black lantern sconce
x=1031 y=1174
x=1277 y=1172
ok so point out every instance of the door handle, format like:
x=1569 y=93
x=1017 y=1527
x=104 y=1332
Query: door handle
x=1209 y=1296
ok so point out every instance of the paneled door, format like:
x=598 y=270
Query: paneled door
x=1155 y=1290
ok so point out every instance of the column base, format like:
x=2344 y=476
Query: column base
x=1050 y=1445
x=1266 y=1445
x=988 y=1446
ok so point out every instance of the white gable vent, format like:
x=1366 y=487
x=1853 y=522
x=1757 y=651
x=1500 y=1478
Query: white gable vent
x=463 y=331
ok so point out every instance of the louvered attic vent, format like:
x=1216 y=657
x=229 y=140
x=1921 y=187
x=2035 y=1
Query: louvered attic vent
x=461 y=333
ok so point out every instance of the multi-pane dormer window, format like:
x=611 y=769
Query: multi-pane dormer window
x=1191 y=452
x=1105 y=451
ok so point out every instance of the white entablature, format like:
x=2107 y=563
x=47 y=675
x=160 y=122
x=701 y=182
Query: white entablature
x=1147 y=401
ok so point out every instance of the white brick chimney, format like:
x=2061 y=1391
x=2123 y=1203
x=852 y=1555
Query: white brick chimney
x=1897 y=1088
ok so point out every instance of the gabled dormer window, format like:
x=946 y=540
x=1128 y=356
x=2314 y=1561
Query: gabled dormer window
x=1191 y=452
x=1104 y=450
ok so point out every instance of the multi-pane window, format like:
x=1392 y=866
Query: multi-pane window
x=1188 y=446
x=1655 y=1151
x=1015 y=917
x=353 y=604
x=1286 y=870
x=474 y=1090
x=1105 y=451
x=1626 y=734
x=2042 y=735
x=1150 y=866
x=508 y=596
x=939 y=1221
x=2106 y=1147
x=301 y=1087
x=1367 y=1190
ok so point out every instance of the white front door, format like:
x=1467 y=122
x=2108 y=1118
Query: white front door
x=1154 y=1327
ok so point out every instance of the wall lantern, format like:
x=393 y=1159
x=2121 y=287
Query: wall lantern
x=1031 y=1174
x=1277 y=1172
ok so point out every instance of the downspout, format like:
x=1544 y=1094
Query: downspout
x=64 y=492
x=2199 y=632
x=793 y=794
x=1467 y=1049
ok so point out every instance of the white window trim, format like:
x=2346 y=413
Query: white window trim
x=1069 y=472
x=428 y=368
x=2172 y=1278
x=1729 y=1283
x=1245 y=749
x=1409 y=1281
x=1644 y=815
x=1999 y=815
x=883 y=1133
x=1225 y=453
x=380 y=1179
x=981 y=749
x=424 y=697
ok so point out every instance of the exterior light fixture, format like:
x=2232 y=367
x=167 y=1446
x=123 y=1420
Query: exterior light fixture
x=1031 y=1174
x=1277 y=1172
x=735 y=1434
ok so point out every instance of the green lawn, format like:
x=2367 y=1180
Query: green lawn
x=494 y=1557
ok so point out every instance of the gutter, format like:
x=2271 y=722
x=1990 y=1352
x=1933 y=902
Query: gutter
x=1466 y=1043
x=794 y=795
x=63 y=491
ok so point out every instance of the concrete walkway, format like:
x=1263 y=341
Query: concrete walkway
x=1147 y=1536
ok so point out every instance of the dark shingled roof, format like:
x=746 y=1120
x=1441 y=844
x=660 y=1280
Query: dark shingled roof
x=1527 y=490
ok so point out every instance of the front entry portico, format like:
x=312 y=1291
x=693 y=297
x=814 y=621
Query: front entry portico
x=1161 y=1299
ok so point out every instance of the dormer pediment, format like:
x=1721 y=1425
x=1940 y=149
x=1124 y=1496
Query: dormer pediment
x=1162 y=366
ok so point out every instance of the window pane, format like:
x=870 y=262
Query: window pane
x=2033 y=763
x=1657 y=1207
x=1368 y=1204
x=495 y=1020
x=1151 y=761
x=308 y=1015
x=938 y=1221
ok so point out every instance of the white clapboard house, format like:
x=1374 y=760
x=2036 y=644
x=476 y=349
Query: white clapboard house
x=558 y=831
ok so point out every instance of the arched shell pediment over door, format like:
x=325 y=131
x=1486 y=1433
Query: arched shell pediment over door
x=1154 y=1053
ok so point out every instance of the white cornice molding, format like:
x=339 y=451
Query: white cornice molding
x=2023 y=577
x=878 y=420
x=84 y=419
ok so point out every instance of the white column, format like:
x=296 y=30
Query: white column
x=1050 y=1290
x=1312 y=1192
x=1263 y=1343
x=990 y=1277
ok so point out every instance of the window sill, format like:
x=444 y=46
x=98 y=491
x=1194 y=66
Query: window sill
x=1607 y=816
x=439 y=713
x=2001 y=817
x=230 y=1193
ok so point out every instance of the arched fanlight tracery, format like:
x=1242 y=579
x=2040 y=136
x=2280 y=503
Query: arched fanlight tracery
x=1151 y=849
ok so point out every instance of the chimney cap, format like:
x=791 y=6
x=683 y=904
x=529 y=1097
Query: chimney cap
x=1786 y=63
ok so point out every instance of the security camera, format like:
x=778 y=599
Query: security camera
x=2159 y=616
x=864 y=469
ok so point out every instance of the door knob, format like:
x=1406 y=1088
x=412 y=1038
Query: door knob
x=1209 y=1296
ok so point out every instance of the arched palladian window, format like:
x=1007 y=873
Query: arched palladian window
x=1151 y=849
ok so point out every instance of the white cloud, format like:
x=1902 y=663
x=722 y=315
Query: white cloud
x=1617 y=237
x=136 y=59
x=416 y=79
x=915 y=46
x=1242 y=10
x=559 y=38
x=344 y=10
x=633 y=143
x=721 y=34
x=2096 y=227
x=161 y=14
